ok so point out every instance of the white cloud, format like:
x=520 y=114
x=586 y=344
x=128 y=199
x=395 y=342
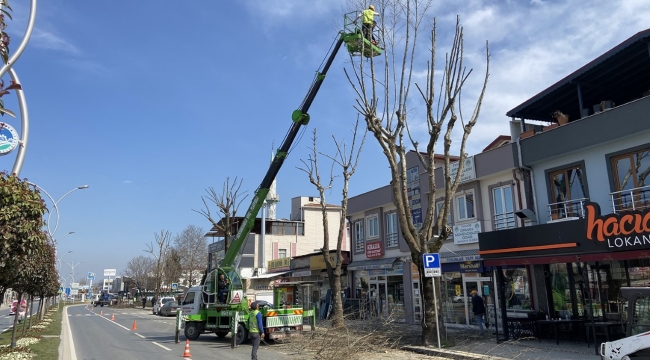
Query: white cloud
x=532 y=46
x=127 y=182
x=50 y=41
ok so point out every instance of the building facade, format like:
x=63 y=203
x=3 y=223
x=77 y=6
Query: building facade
x=587 y=230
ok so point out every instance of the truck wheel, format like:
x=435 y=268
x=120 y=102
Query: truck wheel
x=102 y=305
x=221 y=335
x=191 y=331
x=242 y=334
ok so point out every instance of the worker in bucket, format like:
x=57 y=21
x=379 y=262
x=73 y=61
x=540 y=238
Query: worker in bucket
x=368 y=22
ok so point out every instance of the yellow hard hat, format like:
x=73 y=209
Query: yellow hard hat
x=371 y=8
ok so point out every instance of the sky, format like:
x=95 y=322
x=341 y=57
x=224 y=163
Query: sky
x=150 y=103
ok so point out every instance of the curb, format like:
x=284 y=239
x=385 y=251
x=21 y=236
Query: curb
x=451 y=354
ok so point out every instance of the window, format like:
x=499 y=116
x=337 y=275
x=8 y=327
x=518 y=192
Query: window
x=465 y=206
x=391 y=229
x=289 y=228
x=439 y=205
x=358 y=236
x=568 y=191
x=630 y=173
x=373 y=226
x=504 y=217
x=282 y=253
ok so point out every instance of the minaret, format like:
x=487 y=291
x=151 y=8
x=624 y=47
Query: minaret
x=272 y=198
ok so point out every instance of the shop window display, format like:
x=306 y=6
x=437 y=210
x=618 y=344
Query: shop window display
x=452 y=298
x=517 y=292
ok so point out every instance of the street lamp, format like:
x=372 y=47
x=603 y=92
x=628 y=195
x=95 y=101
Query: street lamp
x=54 y=204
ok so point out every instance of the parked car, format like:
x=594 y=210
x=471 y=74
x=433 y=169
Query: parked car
x=14 y=307
x=159 y=303
x=169 y=308
x=460 y=298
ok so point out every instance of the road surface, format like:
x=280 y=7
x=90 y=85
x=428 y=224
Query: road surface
x=6 y=320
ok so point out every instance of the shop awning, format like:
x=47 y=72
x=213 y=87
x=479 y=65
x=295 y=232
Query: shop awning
x=267 y=275
x=384 y=263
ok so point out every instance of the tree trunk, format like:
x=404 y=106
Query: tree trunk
x=337 y=302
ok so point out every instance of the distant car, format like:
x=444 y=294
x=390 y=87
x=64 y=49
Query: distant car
x=264 y=304
x=459 y=298
x=159 y=303
x=14 y=306
x=169 y=308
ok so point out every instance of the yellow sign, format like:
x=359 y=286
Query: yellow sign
x=278 y=264
x=318 y=263
x=457 y=290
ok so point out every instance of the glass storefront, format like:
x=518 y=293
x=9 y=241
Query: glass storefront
x=382 y=291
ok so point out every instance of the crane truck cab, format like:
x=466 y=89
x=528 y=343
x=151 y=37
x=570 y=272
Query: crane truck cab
x=636 y=344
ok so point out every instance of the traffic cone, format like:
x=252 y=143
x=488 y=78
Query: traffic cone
x=134 y=327
x=113 y=317
x=186 y=353
x=101 y=313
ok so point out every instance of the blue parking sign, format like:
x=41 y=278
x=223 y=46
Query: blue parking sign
x=431 y=265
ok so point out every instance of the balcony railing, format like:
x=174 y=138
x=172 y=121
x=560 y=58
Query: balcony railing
x=633 y=199
x=567 y=209
x=504 y=221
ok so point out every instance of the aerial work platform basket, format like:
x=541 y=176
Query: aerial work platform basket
x=354 y=38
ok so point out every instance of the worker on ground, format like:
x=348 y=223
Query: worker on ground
x=255 y=328
x=368 y=22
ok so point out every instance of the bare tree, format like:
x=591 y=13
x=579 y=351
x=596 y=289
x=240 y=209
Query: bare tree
x=193 y=250
x=227 y=203
x=383 y=100
x=140 y=269
x=172 y=269
x=163 y=238
x=348 y=161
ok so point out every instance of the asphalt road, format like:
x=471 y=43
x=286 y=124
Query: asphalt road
x=6 y=320
x=96 y=337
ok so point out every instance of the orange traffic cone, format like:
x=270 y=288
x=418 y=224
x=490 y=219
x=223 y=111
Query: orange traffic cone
x=134 y=327
x=113 y=317
x=186 y=353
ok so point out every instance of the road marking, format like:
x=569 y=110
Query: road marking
x=166 y=348
x=73 y=353
x=123 y=327
x=140 y=335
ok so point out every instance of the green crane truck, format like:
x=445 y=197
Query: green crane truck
x=204 y=308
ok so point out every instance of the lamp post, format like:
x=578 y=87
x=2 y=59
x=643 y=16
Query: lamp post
x=54 y=204
x=72 y=266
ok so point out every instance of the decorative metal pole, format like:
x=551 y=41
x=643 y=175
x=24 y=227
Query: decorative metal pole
x=24 y=115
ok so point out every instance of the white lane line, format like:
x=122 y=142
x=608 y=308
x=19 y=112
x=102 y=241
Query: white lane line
x=73 y=353
x=140 y=336
x=166 y=348
x=123 y=327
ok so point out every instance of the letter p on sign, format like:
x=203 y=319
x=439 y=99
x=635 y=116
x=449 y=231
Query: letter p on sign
x=431 y=265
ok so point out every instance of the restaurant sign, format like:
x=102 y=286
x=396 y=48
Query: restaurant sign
x=620 y=231
x=279 y=265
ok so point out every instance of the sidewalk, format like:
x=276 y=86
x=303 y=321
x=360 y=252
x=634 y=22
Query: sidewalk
x=480 y=347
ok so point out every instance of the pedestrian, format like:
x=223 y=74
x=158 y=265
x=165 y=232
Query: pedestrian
x=255 y=328
x=478 y=307
x=144 y=301
x=368 y=22
x=153 y=300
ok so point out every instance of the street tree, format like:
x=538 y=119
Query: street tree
x=158 y=250
x=172 y=270
x=347 y=161
x=383 y=89
x=193 y=250
x=141 y=269
x=227 y=202
x=22 y=240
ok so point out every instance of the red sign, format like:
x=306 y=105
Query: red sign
x=374 y=249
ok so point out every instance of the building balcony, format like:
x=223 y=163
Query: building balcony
x=504 y=221
x=567 y=210
x=631 y=200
